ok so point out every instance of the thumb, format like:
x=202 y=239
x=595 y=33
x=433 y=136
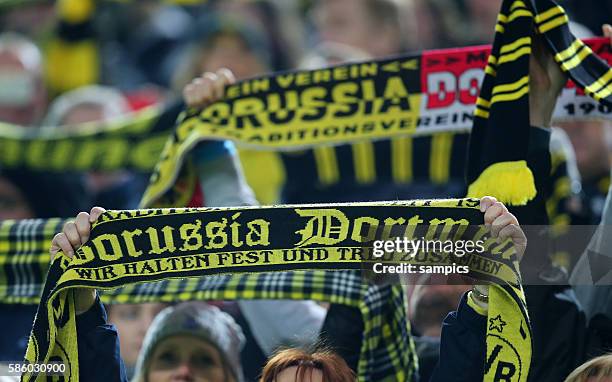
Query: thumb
x=54 y=250
x=516 y=234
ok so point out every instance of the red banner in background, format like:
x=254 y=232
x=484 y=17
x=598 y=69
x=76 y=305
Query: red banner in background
x=451 y=78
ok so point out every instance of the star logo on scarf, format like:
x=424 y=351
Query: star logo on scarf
x=497 y=323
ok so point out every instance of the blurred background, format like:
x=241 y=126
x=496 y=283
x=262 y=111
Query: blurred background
x=147 y=50
x=75 y=61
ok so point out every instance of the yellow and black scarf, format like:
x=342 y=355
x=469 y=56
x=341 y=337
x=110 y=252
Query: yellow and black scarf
x=500 y=136
x=130 y=247
x=417 y=94
x=506 y=304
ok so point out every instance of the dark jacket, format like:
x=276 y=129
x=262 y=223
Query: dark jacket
x=98 y=344
x=462 y=346
x=565 y=340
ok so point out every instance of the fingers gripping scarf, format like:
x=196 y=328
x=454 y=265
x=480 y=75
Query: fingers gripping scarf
x=508 y=333
x=133 y=247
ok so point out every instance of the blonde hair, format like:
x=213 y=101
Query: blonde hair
x=597 y=368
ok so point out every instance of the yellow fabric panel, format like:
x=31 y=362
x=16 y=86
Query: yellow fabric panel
x=264 y=172
x=75 y=11
x=365 y=162
x=71 y=65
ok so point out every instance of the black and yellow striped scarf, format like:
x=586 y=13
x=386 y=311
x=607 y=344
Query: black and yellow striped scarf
x=131 y=247
x=403 y=99
x=500 y=134
x=497 y=163
x=505 y=301
x=24 y=259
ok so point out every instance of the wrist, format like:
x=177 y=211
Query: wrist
x=95 y=316
x=541 y=115
x=84 y=299
x=477 y=306
x=480 y=296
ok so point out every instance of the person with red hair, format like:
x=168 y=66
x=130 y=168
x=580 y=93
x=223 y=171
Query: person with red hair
x=298 y=365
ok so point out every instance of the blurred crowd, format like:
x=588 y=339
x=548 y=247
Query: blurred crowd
x=125 y=56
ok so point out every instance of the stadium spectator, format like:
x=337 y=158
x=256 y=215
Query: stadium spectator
x=297 y=365
x=224 y=41
x=480 y=21
x=377 y=27
x=86 y=104
x=191 y=341
x=132 y=322
x=23 y=96
x=117 y=190
x=29 y=195
x=596 y=370
x=592 y=142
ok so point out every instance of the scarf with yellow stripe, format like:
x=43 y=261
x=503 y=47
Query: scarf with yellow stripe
x=500 y=137
x=135 y=141
x=500 y=134
x=138 y=246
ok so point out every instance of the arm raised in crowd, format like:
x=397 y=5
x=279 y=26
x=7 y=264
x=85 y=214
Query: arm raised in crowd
x=98 y=342
x=274 y=322
x=463 y=345
x=75 y=234
x=221 y=177
x=553 y=307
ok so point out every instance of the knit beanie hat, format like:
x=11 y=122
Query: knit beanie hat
x=200 y=320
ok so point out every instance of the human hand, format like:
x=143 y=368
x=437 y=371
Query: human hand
x=208 y=88
x=73 y=235
x=504 y=225
x=546 y=80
